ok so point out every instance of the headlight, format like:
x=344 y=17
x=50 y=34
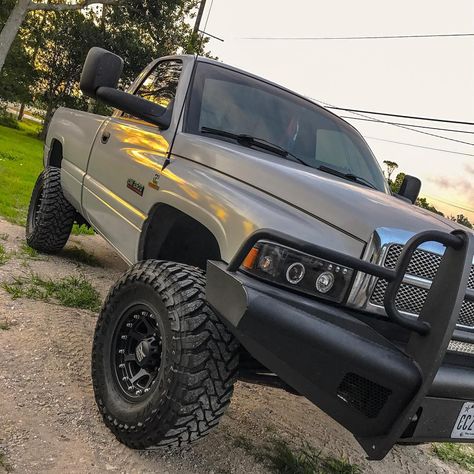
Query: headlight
x=298 y=271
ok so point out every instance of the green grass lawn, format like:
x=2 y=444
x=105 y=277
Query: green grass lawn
x=21 y=161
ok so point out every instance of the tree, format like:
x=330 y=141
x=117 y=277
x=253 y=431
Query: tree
x=391 y=167
x=18 y=74
x=423 y=203
x=395 y=185
x=462 y=219
x=137 y=31
x=66 y=39
x=21 y=9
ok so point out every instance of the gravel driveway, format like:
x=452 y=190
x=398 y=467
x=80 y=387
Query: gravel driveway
x=48 y=417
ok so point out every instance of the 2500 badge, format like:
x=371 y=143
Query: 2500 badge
x=135 y=186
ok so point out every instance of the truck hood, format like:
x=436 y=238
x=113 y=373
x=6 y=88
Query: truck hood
x=352 y=208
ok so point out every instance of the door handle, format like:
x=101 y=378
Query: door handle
x=105 y=137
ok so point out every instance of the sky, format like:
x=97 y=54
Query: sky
x=429 y=77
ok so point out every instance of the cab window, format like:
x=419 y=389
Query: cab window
x=161 y=84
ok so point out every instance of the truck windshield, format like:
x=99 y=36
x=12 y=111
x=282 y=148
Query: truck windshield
x=227 y=100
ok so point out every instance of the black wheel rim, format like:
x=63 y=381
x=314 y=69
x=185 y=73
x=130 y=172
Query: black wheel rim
x=136 y=353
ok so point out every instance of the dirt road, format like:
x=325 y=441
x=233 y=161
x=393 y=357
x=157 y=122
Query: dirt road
x=48 y=417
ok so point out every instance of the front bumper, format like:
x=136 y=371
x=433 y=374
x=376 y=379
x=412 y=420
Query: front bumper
x=382 y=392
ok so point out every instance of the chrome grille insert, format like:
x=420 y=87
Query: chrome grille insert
x=466 y=315
x=411 y=297
x=458 y=346
x=423 y=264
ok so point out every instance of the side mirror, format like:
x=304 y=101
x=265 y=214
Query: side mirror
x=410 y=188
x=99 y=79
x=101 y=69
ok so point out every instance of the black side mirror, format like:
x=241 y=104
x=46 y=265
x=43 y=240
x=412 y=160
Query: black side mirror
x=410 y=188
x=99 y=79
x=101 y=69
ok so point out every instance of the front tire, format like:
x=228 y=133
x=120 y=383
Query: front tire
x=50 y=215
x=163 y=364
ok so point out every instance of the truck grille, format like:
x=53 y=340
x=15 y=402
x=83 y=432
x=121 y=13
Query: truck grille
x=410 y=299
x=423 y=264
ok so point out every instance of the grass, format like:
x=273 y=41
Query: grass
x=30 y=127
x=28 y=251
x=21 y=161
x=75 y=292
x=4 y=463
x=3 y=255
x=82 y=230
x=8 y=120
x=460 y=454
x=4 y=326
x=20 y=165
x=80 y=255
x=280 y=458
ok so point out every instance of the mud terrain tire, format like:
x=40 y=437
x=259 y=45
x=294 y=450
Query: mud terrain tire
x=197 y=357
x=50 y=216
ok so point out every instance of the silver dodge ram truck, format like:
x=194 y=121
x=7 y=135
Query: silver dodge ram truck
x=264 y=244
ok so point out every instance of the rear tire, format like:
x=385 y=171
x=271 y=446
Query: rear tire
x=50 y=215
x=173 y=388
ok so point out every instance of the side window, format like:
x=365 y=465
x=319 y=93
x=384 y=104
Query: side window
x=161 y=83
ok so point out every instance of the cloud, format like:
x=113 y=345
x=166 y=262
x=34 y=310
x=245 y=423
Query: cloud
x=469 y=168
x=463 y=187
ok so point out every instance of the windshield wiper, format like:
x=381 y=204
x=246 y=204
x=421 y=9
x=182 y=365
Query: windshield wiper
x=348 y=176
x=250 y=141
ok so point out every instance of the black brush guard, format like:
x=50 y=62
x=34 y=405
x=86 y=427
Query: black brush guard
x=361 y=379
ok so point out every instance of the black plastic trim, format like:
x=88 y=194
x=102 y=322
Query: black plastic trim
x=313 y=346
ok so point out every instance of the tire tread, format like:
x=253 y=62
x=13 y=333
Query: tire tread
x=203 y=371
x=55 y=217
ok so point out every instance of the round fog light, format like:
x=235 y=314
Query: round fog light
x=295 y=273
x=324 y=282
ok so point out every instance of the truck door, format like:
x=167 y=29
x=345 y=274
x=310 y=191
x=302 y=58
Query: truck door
x=126 y=161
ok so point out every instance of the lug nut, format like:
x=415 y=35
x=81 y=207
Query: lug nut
x=124 y=337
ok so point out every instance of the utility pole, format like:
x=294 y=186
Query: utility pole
x=197 y=24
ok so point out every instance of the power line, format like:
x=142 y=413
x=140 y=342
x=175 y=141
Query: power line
x=413 y=117
x=368 y=119
x=404 y=126
x=420 y=146
x=407 y=127
x=449 y=203
x=325 y=38
x=208 y=14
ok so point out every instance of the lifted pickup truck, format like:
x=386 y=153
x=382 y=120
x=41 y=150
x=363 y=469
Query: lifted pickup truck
x=268 y=245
